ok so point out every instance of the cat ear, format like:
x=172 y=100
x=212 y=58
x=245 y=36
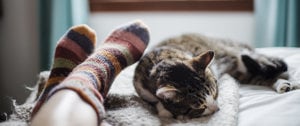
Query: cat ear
x=202 y=61
x=166 y=92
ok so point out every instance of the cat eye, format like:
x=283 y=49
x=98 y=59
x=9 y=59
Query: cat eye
x=180 y=98
x=198 y=106
x=190 y=90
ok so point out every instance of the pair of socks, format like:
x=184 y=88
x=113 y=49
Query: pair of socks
x=90 y=73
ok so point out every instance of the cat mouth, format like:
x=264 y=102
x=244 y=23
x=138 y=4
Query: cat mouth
x=187 y=117
x=191 y=113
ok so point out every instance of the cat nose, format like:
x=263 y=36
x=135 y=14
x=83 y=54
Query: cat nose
x=214 y=107
x=212 y=104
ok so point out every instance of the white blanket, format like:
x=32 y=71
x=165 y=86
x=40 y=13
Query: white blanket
x=126 y=108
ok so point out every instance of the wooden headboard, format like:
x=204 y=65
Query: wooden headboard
x=171 y=5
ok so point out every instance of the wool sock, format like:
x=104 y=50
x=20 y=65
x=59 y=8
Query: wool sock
x=72 y=49
x=92 y=79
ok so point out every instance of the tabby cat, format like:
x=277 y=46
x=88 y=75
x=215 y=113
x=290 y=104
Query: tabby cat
x=180 y=80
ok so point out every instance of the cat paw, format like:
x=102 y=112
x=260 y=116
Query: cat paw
x=165 y=114
x=182 y=118
x=162 y=112
x=282 y=86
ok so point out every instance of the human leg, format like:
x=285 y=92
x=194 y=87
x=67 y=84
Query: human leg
x=92 y=79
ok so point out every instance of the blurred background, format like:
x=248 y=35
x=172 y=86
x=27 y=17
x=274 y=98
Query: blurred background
x=29 y=29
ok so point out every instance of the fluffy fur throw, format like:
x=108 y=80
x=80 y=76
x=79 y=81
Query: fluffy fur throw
x=124 y=107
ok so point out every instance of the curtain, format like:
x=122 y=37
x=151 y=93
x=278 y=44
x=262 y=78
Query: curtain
x=277 y=23
x=57 y=16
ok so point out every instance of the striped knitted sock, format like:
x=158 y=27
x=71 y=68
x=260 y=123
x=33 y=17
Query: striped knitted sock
x=93 y=78
x=72 y=49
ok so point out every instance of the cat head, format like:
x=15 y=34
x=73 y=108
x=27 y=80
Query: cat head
x=187 y=88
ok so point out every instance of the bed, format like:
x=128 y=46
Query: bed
x=241 y=105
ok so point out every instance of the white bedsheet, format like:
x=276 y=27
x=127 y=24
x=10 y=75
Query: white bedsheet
x=262 y=106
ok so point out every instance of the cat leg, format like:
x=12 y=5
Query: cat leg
x=147 y=96
x=144 y=93
x=282 y=85
x=162 y=111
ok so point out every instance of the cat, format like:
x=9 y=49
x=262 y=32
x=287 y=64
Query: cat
x=179 y=76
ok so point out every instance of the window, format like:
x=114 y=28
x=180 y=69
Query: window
x=171 y=5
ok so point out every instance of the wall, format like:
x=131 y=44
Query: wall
x=18 y=50
x=233 y=25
